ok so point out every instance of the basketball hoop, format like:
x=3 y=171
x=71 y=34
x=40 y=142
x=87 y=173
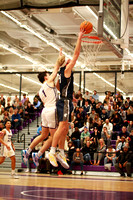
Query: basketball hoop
x=91 y=46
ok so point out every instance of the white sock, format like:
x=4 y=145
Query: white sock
x=62 y=151
x=29 y=150
x=13 y=171
x=39 y=154
x=52 y=150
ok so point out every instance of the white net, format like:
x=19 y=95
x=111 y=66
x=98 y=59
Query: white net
x=91 y=46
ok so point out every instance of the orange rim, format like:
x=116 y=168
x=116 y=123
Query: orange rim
x=95 y=38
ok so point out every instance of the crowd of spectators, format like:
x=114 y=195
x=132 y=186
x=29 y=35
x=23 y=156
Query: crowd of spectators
x=18 y=111
x=95 y=124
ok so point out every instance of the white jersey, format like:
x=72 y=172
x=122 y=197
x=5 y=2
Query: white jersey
x=48 y=95
x=7 y=139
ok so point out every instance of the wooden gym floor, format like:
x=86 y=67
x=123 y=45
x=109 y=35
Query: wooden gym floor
x=64 y=187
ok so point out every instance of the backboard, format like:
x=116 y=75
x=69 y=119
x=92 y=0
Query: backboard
x=109 y=24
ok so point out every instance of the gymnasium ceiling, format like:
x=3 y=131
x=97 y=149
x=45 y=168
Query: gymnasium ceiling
x=26 y=36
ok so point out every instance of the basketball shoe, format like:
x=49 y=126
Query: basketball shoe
x=52 y=159
x=62 y=159
x=35 y=159
x=25 y=156
x=14 y=175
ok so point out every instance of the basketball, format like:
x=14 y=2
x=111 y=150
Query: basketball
x=86 y=26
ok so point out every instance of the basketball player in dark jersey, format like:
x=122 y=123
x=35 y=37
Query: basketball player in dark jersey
x=64 y=107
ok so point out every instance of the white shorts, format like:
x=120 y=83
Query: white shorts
x=6 y=153
x=49 y=117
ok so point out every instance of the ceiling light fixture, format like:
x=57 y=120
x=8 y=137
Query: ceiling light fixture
x=12 y=88
x=34 y=32
x=29 y=79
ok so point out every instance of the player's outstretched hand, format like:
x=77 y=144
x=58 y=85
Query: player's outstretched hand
x=81 y=33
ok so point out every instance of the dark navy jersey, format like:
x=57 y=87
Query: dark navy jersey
x=66 y=84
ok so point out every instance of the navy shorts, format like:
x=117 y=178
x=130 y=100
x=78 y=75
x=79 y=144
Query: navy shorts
x=64 y=109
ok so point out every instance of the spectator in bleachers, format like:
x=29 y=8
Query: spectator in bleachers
x=77 y=160
x=123 y=115
x=88 y=122
x=71 y=129
x=79 y=121
x=6 y=117
x=96 y=120
x=20 y=106
x=130 y=126
x=119 y=145
x=8 y=102
x=119 y=95
x=125 y=106
x=2 y=114
x=131 y=141
x=1 y=106
x=29 y=111
x=106 y=136
x=110 y=158
x=119 y=102
x=86 y=95
x=81 y=101
x=2 y=100
x=124 y=162
x=11 y=111
x=82 y=112
x=97 y=109
x=8 y=106
x=16 y=119
x=116 y=121
x=99 y=155
x=87 y=151
x=93 y=113
x=24 y=99
x=109 y=126
x=70 y=152
x=96 y=135
x=130 y=113
x=95 y=96
x=103 y=115
x=78 y=94
x=93 y=103
x=37 y=104
x=87 y=107
x=84 y=134
x=39 y=131
x=22 y=115
x=100 y=105
x=110 y=112
x=15 y=99
x=107 y=99
x=127 y=100
x=124 y=133
x=16 y=104
x=115 y=105
x=75 y=137
x=100 y=126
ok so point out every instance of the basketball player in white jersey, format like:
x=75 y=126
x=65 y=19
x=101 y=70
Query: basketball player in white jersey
x=48 y=95
x=7 y=147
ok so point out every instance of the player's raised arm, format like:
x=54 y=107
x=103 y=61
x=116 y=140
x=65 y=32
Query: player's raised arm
x=59 y=62
x=75 y=55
